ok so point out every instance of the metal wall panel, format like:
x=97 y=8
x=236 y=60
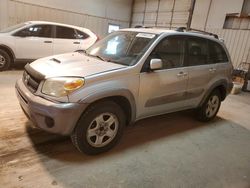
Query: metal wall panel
x=182 y=5
x=139 y=5
x=3 y=15
x=164 y=19
x=16 y=12
x=166 y=5
x=150 y=18
x=161 y=13
x=152 y=5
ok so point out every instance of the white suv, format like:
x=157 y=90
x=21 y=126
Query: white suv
x=35 y=39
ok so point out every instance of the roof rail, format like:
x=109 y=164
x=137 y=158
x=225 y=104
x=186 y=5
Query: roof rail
x=182 y=29
x=142 y=26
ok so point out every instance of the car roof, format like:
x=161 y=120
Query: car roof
x=159 y=31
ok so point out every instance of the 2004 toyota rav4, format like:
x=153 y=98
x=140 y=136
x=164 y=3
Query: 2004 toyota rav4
x=129 y=75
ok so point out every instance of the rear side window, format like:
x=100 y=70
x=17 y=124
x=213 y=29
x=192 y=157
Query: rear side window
x=216 y=53
x=65 y=33
x=44 y=31
x=82 y=35
x=197 y=50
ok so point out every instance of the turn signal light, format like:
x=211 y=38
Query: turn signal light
x=76 y=84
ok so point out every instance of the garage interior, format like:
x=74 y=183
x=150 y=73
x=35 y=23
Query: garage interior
x=172 y=150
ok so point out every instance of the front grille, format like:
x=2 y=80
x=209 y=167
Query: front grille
x=31 y=78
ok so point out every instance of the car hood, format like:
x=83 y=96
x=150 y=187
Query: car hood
x=72 y=64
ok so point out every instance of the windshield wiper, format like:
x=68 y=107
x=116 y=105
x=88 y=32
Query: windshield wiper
x=99 y=57
x=85 y=52
x=81 y=51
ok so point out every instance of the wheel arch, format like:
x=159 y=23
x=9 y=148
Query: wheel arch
x=9 y=51
x=122 y=97
x=221 y=85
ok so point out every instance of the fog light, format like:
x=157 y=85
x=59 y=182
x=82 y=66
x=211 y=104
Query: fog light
x=49 y=122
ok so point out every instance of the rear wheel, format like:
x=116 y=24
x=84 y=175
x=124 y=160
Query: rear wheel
x=210 y=107
x=5 y=60
x=99 y=128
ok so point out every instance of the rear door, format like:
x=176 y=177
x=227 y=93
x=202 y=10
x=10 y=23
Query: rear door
x=200 y=70
x=66 y=40
x=218 y=56
x=34 y=42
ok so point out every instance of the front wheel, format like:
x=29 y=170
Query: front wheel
x=5 y=60
x=99 y=128
x=210 y=107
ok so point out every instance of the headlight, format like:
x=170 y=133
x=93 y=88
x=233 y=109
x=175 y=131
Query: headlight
x=62 y=86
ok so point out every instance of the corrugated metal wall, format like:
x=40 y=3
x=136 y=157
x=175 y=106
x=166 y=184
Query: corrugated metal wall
x=13 y=12
x=237 y=42
x=175 y=13
x=161 y=13
x=211 y=15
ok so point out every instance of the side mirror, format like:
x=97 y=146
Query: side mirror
x=155 y=64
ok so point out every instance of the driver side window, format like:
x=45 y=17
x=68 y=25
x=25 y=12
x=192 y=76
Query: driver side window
x=171 y=51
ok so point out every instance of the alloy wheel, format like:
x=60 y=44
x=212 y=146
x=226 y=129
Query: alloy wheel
x=102 y=130
x=2 y=61
x=212 y=106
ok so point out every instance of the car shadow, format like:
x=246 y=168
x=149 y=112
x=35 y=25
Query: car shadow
x=142 y=132
x=18 y=66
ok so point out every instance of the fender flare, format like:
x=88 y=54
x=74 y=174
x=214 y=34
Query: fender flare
x=122 y=92
x=218 y=83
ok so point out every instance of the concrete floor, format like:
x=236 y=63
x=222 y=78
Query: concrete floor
x=166 y=151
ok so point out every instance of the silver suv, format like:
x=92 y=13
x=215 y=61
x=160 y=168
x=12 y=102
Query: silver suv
x=129 y=75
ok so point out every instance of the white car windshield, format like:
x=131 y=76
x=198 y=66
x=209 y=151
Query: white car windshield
x=122 y=47
x=12 y=28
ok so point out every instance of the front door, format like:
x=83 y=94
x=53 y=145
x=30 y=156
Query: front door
x=34 y=42
x=163 y=90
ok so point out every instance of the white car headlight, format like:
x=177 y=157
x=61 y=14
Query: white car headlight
x=61 y=86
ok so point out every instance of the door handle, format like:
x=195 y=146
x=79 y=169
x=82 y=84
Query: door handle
x=47 y=41
x=76 y=42
x=182 y=74
x=212 y=70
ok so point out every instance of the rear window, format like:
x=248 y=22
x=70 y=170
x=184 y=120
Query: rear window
x=82 y=35
x=216 y=53
x=197 y=51
x=65 y=33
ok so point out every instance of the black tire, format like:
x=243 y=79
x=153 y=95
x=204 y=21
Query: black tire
x=201 y=112
x=79 y=135
x=5 y=60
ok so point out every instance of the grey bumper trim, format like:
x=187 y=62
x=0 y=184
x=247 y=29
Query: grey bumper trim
x=65 y=115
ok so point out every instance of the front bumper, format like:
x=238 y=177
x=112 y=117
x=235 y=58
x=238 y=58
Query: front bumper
x=59 y=118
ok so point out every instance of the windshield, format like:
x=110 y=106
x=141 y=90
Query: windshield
x=122 y=47
x=12 y=28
